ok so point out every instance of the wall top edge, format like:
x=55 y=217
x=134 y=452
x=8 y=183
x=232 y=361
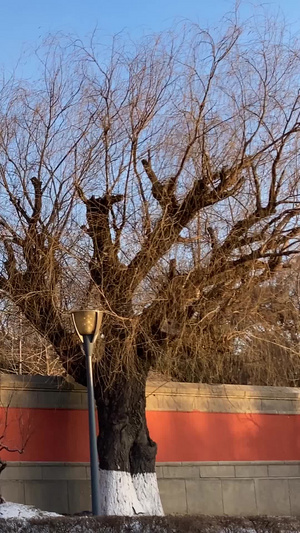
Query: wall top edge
x=154 y=388
x=37 y=464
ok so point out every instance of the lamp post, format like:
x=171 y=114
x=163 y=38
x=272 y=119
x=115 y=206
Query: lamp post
x=87 y=324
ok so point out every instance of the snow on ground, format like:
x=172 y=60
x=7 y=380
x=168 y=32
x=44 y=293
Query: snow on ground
x=17 y=510
x=9 y=510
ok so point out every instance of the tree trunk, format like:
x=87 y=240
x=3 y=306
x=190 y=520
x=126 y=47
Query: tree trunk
x=127 y=455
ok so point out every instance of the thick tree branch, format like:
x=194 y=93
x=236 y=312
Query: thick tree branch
x=164 y=194
x=36 y=213
x=168 y=228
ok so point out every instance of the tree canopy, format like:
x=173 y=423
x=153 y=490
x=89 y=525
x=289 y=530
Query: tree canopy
x=158 y=180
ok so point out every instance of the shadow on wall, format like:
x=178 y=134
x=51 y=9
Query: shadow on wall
x=61 y=434
x=216 y=436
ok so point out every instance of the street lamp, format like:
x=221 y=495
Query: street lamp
x=87 y=324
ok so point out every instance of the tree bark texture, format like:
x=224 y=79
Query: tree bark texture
x=127 y=454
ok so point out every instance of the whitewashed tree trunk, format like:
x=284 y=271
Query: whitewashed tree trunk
x=127 y=495
x=146 y=488
x=128 y=482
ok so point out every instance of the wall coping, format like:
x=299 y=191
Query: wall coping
x=57 y=393
x=44 y=471
x=154 y=387
x=221 y=391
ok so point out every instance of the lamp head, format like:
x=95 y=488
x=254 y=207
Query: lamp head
x=87 y=322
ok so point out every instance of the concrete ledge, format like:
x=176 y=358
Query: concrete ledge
x=20 y=471
x=57 y=393
x=41 y=392
x=45 y=471
x=222 y=398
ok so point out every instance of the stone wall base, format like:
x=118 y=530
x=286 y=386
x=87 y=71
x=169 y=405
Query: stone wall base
x=211 y=488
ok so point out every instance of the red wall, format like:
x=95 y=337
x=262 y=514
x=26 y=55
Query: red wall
x=62 y=435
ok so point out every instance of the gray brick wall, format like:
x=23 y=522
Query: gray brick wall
x=236 y=488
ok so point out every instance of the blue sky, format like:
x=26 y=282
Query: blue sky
x=24 y=23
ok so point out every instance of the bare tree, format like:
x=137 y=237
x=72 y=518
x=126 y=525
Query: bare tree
x=23 y=350
x=157 y=181
x=269 y=338
x=254 y=339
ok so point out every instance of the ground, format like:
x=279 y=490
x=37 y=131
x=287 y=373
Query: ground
x=18 y=518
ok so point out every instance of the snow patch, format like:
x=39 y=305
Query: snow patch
x=18 y=510
x=146 y=488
